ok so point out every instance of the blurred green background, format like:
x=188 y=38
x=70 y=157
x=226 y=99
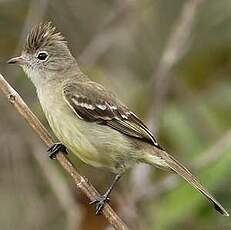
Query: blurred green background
x=170 y=61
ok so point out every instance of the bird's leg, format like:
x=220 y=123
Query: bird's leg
x=55 y=148
x=102 y=200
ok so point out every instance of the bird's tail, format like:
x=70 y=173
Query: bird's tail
x=161 y=158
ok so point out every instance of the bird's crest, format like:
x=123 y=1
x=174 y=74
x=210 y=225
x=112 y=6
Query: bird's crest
x=42 y=35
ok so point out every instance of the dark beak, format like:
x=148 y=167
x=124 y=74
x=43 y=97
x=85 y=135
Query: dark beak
x=17 y=60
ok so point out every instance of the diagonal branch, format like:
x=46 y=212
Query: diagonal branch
x=85 y=187
x=60 y=188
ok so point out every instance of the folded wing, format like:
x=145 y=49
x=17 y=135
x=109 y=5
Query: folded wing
x=91 y=102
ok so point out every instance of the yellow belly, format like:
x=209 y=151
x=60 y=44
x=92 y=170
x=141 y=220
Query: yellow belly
x=97 y=145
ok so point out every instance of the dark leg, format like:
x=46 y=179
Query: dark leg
x=102 y=200
x=55 y=148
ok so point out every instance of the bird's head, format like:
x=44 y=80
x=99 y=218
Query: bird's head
x=45 y=52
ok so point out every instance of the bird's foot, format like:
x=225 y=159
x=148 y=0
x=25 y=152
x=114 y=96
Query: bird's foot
x=55 y=148
x=100 y=203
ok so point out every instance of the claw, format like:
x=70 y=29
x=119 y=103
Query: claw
x=55 y=148
x=100 y=203
x=102 y=200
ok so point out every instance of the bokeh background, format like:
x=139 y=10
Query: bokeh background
x=170 y=61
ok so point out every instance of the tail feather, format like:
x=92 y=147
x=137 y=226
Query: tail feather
x=187 y=175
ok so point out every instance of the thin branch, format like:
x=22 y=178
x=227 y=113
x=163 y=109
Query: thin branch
x=80 y=181
x=176 y=47
x=60 y=188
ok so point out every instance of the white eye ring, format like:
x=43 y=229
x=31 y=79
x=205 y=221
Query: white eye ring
x=42 y=55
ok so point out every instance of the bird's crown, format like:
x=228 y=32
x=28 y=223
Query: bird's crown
x=42 y=35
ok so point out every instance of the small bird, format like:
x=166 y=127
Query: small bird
x=89 y=120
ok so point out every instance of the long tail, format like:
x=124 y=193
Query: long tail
x=161 y=158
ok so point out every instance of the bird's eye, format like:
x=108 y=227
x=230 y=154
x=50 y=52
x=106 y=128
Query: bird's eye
x=43 y=55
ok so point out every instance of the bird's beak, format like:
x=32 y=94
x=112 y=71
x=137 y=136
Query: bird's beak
x=17 y=60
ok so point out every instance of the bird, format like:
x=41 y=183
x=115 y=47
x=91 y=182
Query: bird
x=89 y=120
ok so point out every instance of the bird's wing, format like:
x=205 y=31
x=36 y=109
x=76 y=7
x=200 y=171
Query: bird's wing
x=92 y=103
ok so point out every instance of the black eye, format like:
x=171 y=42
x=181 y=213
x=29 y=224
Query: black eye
x=42 y=56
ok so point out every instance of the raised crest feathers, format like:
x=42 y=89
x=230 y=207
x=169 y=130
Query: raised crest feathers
x=42 y=35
